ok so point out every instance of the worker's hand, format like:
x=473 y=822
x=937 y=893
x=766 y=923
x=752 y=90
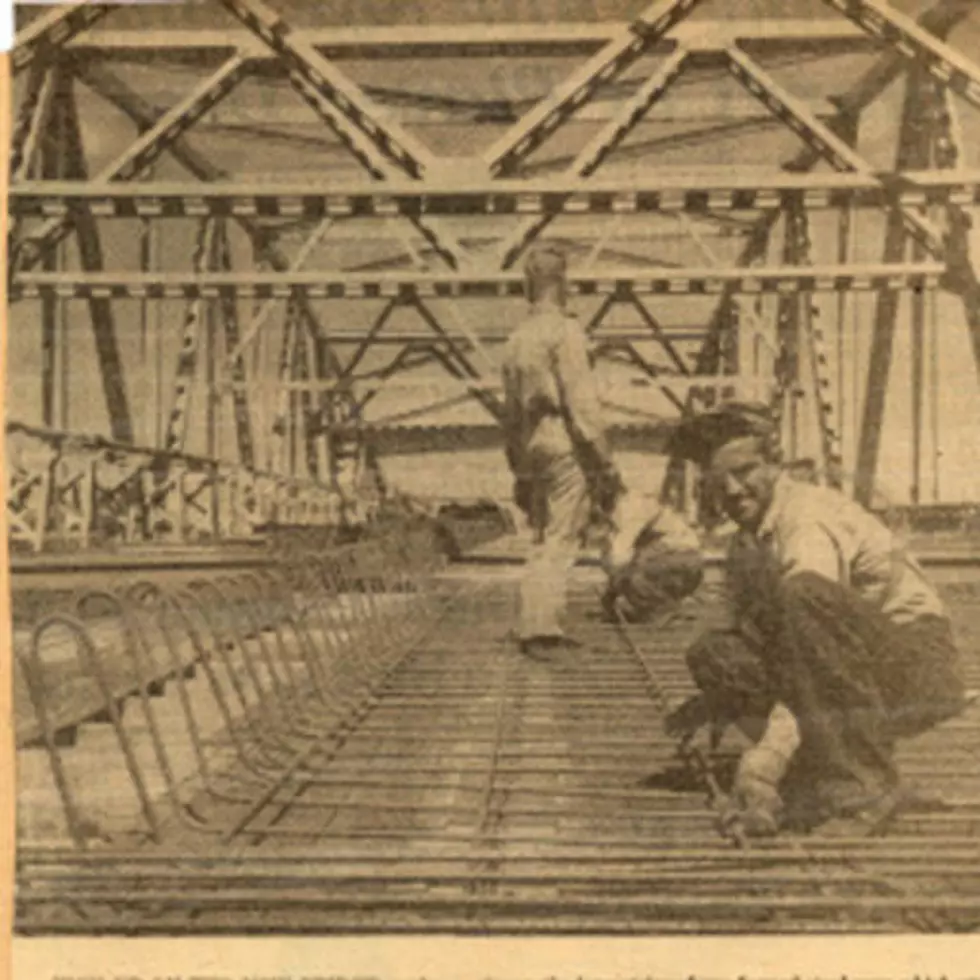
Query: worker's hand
x=753 y=810
x=684 y=722
x=755 y=806
x=607 y=487
x=523 y=495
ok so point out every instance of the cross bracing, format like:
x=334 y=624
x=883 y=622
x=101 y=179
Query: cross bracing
x=409 y=168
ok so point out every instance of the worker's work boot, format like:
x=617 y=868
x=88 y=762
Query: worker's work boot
x=543 y=645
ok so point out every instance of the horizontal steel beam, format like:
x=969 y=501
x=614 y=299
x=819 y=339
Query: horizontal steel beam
x=461 y=40
x=604 y=335
x=448 y=385
x=330 y=285
x=559 y=195
x=287 y=117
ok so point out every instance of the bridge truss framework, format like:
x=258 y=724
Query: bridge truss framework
x=294 y=424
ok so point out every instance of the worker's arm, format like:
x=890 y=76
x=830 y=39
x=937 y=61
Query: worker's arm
x=632 y=514
x=813 y=548
x=755 y=804
x=578 y=393
x=512 y=416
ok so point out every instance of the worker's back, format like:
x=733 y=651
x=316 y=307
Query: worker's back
x=548 y=388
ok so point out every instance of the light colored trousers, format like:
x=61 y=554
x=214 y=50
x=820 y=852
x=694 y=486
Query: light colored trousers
x=559 y=517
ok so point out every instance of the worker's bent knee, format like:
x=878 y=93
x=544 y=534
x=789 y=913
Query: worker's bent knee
x=719 y=653
x=811 y=591
x=727 y=668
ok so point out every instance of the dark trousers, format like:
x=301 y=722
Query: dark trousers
x=855 y=681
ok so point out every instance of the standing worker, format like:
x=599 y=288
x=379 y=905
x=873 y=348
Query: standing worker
x=556 y=444
x=838 y=645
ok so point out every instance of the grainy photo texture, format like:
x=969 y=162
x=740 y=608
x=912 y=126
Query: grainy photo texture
x=495 y=468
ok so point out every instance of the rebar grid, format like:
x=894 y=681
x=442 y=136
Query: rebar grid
x=381 y=771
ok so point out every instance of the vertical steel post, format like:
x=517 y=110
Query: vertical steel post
x=910 y=155
x=91 y=257
x=53 y=153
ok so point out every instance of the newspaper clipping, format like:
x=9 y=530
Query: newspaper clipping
x=491 y=490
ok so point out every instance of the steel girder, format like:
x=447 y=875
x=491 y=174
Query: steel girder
x=598 y=282
x=914 y=149
x=529 y=133
x=90 y=256
x=457 y=380
x=50 y=32
x=331 y=94
x=147 y=148
x=445 y=40
x=32 y=117
x=131 y=488
x=192 y=336
x=340 y=103
x=600 y=146
x=105 y=84
x=569 y=195
x=819 y=137
x=229 y=328
x=939 y=19
x=916 y=43
x=615 y=57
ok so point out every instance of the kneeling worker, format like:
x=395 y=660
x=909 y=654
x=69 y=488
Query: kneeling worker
x=838 y=644
x=652 y=558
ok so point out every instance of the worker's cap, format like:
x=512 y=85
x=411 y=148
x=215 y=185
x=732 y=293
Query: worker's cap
x=698 y=438
x=545 y=261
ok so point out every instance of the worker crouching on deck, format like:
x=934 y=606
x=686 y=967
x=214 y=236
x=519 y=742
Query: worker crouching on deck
x=838 y=645
x=556 y=444
x=652 y=558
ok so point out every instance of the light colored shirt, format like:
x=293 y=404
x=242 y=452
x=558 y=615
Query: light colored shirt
x=640 y=517
x=818 y=529
x=551 y=397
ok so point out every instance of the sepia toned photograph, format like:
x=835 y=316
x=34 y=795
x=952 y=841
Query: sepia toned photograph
x=495 y=468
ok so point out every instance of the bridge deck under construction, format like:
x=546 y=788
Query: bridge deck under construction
x=330 y=751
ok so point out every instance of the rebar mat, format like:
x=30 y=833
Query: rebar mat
x=446 y=782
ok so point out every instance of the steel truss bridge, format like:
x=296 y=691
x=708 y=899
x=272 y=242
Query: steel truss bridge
x=280 y=368
x=251 y=257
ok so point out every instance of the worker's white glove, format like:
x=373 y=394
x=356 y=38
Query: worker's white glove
x=755 y=806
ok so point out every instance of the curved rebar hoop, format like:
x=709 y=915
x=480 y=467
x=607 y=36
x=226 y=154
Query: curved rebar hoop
x=93 y=663
x=179 y=669
x=293 y=619
x=300 y=620
x=341 y=670
x=361 y=647
x=233 y=726
x=294 y=704
x=262 y=624
x=136 y=646
x=277 y=708
x=376 y=642
x=264 y=715
x=141 y=590
x=342 y=609
x=227 y=603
